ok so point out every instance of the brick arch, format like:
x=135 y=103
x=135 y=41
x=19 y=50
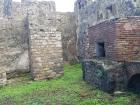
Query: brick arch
x=132 y=73
x=132 y=68
x=134 y=83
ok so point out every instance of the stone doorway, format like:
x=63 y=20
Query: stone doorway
x=134 y=83
x=100 y=49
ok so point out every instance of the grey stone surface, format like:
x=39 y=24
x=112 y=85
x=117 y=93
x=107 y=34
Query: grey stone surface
x=110 y=75
x=13 y=44
x=107 y=75
x=67 y=26
x=7 y=7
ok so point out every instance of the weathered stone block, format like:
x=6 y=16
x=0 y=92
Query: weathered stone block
x=105 y=74
x=3 y=78
x=112 y=76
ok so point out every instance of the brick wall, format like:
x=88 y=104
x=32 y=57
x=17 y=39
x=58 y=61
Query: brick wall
x=46 y=55
x=89 y=13
x=121 y=38
x=103 y=32
x=45 y=43
x=128 y=39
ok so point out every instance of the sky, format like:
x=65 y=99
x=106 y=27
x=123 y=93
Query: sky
x=62 y=5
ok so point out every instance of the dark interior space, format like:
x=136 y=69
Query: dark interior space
x=134 y=83
x=100 y=49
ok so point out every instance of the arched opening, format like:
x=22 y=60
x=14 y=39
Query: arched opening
x=134 y=83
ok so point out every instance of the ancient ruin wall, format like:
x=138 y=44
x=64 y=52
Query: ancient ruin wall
x=67 y=26
x=89 y=13
x=128 y=39
x=45 y=42
x=30 y=40
x=32 y=34
x=121 y=43
x=120 y=37
x=14 y=45
x=102 y=33
x=14 y=39
x=108 y=25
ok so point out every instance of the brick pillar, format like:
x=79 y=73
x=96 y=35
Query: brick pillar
x=45 y=43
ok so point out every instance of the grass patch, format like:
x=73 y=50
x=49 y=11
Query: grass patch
x=67 y=90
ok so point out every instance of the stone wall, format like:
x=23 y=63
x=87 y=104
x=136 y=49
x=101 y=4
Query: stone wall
x=46 y=53
x=1 y=8
x=45 y=42
x=14 y=45
x=105 y=74
x=7 y=10
x=32 y=35
x=14 y=39
x=67 y=26
x=30 y=40
x=112 y=76
x=120 y=37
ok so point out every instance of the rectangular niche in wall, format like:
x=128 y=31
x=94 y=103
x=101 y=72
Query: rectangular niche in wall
x=100 y=49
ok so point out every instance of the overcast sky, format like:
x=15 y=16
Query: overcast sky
x=62 y=5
